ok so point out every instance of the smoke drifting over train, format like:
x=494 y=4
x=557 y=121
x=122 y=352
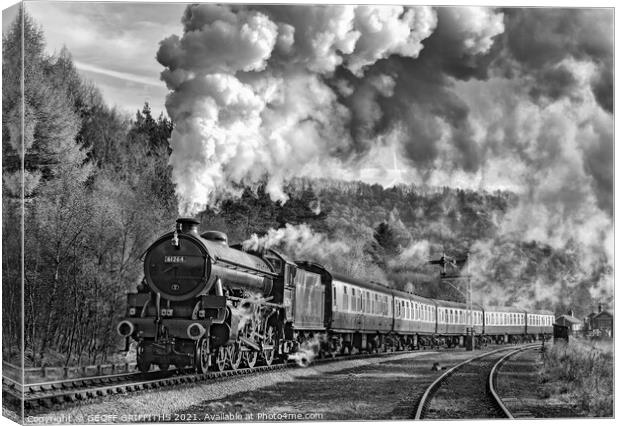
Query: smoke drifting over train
x=471 y=97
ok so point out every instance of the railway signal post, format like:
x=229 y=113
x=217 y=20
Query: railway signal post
x=455 y=274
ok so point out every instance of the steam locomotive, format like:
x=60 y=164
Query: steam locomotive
x=206 y=305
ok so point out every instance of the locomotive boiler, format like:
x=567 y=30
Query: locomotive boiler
x=203 y=303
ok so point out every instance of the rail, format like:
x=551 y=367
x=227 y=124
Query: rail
x=492 y=379
x=426 y=397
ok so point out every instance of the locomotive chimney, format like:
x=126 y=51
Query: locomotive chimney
x=600 y=308
x=187 y=225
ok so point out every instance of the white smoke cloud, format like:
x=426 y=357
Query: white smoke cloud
x=217 y=40
x=475 y=27
x=307 y=351
x=388 y=30
x=557 y=203
x=298 y=241
x=249 y=99
x=415 y=255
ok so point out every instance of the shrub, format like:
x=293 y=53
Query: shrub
x=581 y=372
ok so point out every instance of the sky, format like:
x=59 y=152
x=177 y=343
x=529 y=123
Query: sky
x=113 y=44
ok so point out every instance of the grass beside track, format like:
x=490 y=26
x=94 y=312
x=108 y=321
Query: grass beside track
x=581 y=373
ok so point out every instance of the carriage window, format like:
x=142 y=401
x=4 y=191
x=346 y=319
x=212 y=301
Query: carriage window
x=334 y=297
x=345 y=299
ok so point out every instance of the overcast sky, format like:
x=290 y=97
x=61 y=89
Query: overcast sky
x=113 y=44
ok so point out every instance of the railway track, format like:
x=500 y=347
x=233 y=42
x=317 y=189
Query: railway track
x=59 y=392
x=29 y=374
x=467 y=390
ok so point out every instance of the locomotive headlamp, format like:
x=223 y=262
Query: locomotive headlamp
x=166 y=312
x=201 y=313
x=132 y=311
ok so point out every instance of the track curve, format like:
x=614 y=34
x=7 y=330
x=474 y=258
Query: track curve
x=433 y=388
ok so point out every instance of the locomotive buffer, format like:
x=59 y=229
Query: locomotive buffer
x=455 y=274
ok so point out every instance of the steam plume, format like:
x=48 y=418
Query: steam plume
x=249 y=94
x=298 y=241
x=516 y=99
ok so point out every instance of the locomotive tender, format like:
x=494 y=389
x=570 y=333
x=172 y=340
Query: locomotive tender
x=204 y=304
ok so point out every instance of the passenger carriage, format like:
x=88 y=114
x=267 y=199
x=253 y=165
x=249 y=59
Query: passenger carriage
x=358 y=314
x=414 y=319
x=540 y=324
x=453 y=322
x=504 y=324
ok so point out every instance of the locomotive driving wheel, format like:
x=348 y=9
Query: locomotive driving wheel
x=250 y=357
x=235 y=356
x=269 y=345
x=202 y=356
x=220 y=358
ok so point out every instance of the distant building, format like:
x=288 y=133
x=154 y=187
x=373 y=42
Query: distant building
x=600 y=323
x=568 y=320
